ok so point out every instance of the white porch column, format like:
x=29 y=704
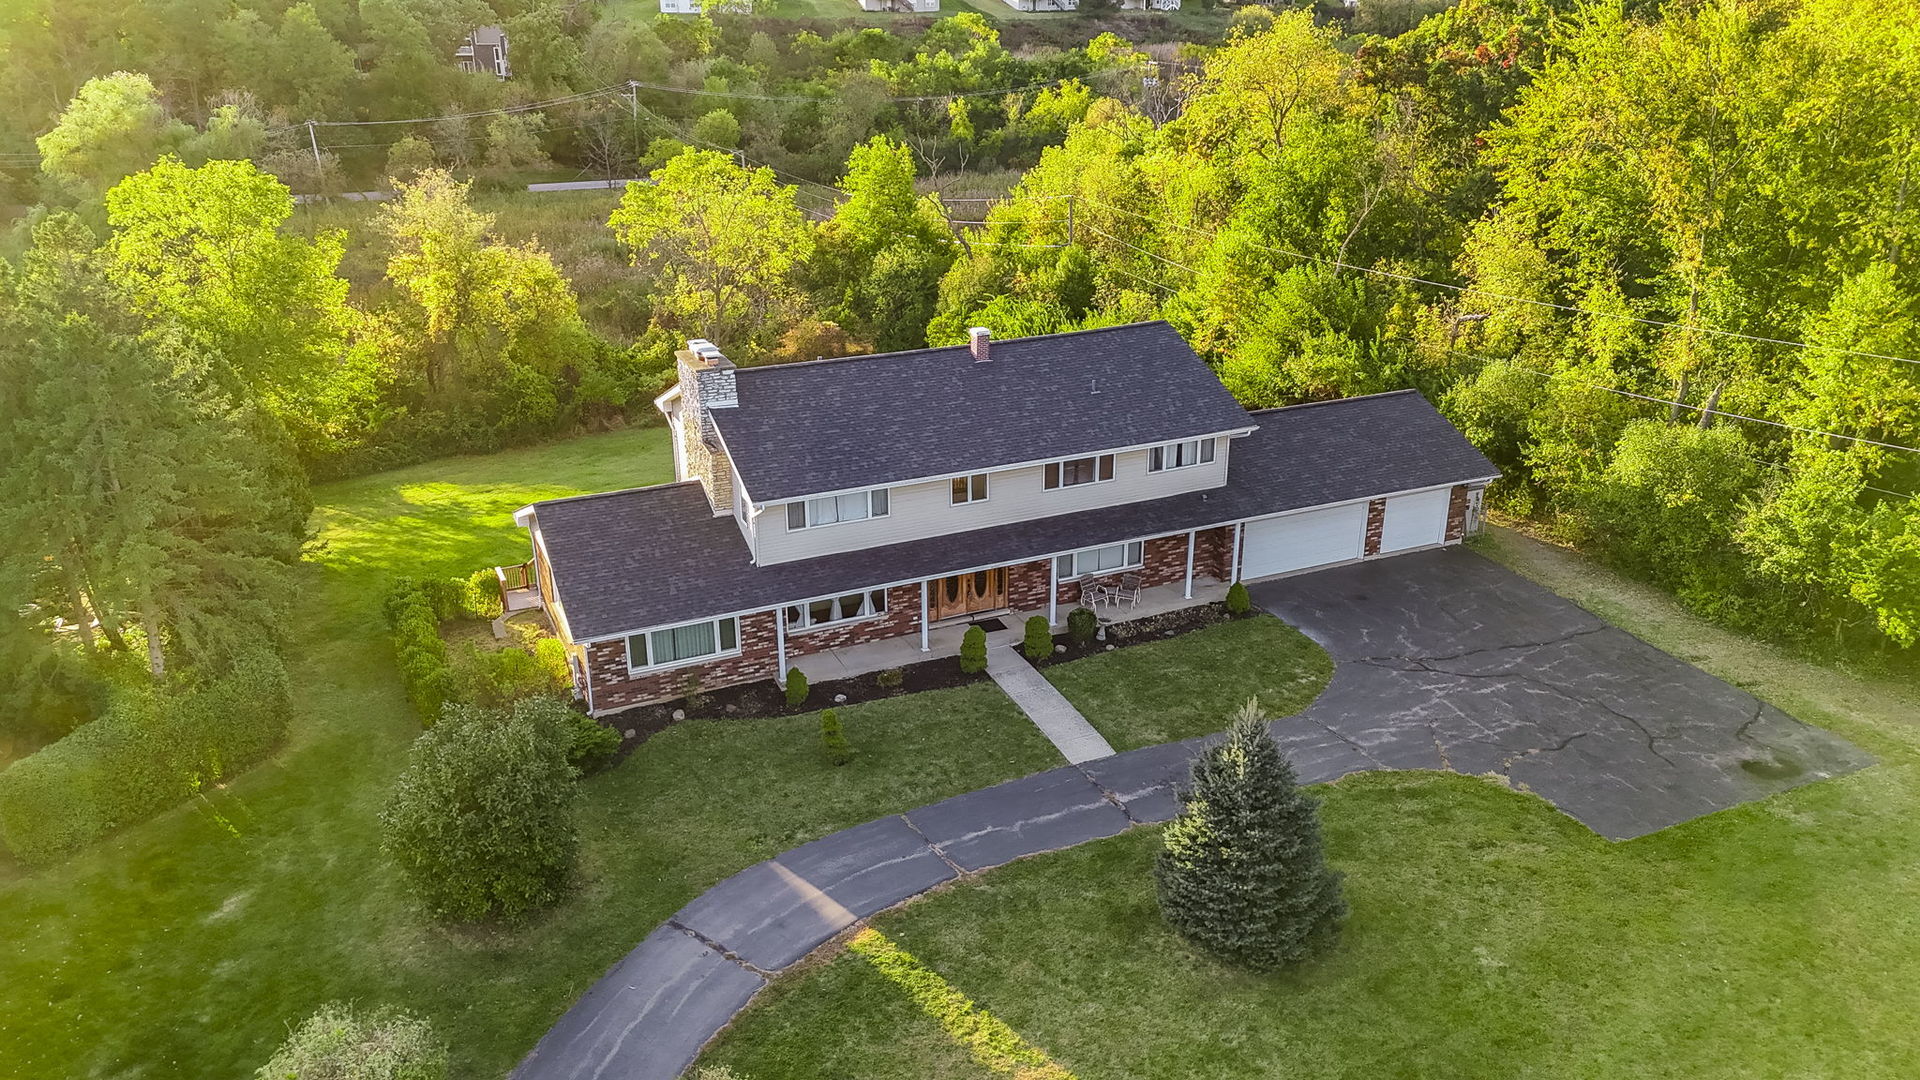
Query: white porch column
x=1234 y=574
x=923 y=615
x=780 y=644
x=1053 y=590
x=1190 y=536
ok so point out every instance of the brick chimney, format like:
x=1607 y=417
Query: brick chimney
x=978 y=339
x=706 y=383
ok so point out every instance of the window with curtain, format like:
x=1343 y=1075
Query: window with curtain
x=1099 y=560
x=1180 y=455
x=836 y=609
x=969 y=489
x=682 y=644
x=833 y=509
x=1076 y=471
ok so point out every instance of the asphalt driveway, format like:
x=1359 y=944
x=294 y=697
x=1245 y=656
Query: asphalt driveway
x=1444 y=660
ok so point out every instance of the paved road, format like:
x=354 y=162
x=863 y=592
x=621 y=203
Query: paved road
x=1444 y=661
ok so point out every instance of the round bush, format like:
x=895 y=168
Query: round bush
x=1238 y=602
x=1038 y=644
x=796 y=687
x=481 y=821
x=973 y=651
x=1082 y=625
x=340 y=1043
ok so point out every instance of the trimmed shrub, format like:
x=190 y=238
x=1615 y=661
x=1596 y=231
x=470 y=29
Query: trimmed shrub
x=890 y=679
x=973 y=651
x=419 y=652
x=1038 y=644
x=152 y=749
x=833 y=740
x=796 y=687
x=503 y=676
x=590 y=744
x=552 y=654
x=1241 y=873
x=340 y=1043
x=1238 y=602
x=513 y=857
x=481 y=599
x=1082 y=625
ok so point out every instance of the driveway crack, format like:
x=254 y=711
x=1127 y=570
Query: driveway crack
x=933 y=847
x=719 y=948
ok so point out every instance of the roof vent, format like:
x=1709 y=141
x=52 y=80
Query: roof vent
x=978 y=338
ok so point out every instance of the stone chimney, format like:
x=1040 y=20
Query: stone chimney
x=978 y=339
x=706 y=383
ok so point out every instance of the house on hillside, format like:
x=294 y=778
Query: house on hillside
x=1044 y=5
x=1154 y=5
x=485 y=50
x=695 y=7
x=920 y=6
x=829 y=504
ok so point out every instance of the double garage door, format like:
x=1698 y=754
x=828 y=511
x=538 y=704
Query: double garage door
x=1310 y=538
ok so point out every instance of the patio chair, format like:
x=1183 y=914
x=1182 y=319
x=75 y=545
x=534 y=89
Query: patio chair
x=1093 y=592
x=1128 y=591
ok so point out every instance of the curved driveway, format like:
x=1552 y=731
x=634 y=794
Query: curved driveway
x=1443 y=661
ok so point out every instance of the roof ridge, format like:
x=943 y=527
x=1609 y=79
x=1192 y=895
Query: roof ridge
x=1335 y=401
x=944 y=348
x=616 y=491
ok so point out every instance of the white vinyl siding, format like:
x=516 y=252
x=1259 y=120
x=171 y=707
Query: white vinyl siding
x=836 y=509
x=1299 y=541
x=1101 y=560
x=686 y=644
x=1416 y=520
x=918 y=511
x=837 y=609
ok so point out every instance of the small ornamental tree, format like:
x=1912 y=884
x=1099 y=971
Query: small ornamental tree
x=481 y=821
x=1039 y=641
x=796 y=687
x=973 y=651
x=1082 y=625
x=1241 y=874
x=833 y=740
x=1238 y=602
x=340 y=1043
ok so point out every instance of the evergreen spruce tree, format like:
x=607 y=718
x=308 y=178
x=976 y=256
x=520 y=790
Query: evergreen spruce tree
x=1242 y=874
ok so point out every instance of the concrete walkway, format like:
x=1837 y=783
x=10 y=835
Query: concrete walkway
x=1049 y=710
x=1444 y=661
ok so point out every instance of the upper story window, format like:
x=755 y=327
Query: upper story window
x=678 y=645
x=833 y=509
x=837 y=609
x=1180 y=455
x=1076 y=471
x=969 y=489
x=1099 y=560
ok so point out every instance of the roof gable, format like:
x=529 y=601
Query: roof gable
x=864 y=421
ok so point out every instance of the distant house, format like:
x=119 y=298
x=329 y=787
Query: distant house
x=1155 y=5
x=1045 y=5
x=695 y=7
x=485 y=50
x=920 y=6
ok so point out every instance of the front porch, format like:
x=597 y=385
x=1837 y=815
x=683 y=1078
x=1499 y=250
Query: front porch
x=943 y=639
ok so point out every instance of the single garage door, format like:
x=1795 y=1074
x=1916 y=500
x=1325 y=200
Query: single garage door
x=1415 y=520
x=1299 y=541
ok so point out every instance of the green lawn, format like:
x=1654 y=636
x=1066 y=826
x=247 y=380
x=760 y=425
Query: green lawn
x=1491 y=935
x=1190 y=685
x=183 y=946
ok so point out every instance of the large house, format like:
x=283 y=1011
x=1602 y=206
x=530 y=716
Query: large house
x=485 y=51
x=826 y=504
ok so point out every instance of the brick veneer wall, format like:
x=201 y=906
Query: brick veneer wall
x=1213 y=553
x=614 y=689
x=902 y=617
x=1457 y=513
x=1376 y=525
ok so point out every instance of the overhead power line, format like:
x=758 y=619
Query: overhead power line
x=1555 y=305
x=828 y=97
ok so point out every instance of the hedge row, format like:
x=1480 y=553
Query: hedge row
x=152 y=749
x=415 y=609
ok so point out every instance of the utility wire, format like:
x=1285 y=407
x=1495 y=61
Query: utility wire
x=828 y=97
x=1476 y=290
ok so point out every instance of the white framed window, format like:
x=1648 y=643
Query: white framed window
x=968 y=489
x=834 y=509
x=1099 y=560
x=837 y=609
x=1073 y=472
x=685 y=644
x=1180 y=455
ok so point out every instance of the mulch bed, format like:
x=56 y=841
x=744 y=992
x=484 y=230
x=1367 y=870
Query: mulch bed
x=765 y=699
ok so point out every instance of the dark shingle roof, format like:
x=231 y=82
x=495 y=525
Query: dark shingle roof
x=648 y=557
x=862 y=421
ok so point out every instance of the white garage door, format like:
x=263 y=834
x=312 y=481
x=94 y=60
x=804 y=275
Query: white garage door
x=1298 y=541
x=1415 y=520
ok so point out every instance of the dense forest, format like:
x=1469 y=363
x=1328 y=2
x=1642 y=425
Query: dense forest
x=1652 y=259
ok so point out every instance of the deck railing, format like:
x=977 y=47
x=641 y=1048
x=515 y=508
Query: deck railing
x=515 y=579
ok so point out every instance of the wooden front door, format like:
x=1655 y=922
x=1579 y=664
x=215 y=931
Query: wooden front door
x=964 y=594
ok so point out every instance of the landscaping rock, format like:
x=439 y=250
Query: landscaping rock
x=631 y=732
x=679 y=714
x=839 y=699
x=1059 y=649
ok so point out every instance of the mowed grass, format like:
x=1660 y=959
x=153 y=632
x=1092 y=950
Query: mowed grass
x=1189 y=685
x=183 y=947
x=1491 y=936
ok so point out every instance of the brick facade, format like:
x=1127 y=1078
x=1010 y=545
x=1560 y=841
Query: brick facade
x=1376 y=525
x=902 y=617
x=614 y=689
x=1457 y=514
